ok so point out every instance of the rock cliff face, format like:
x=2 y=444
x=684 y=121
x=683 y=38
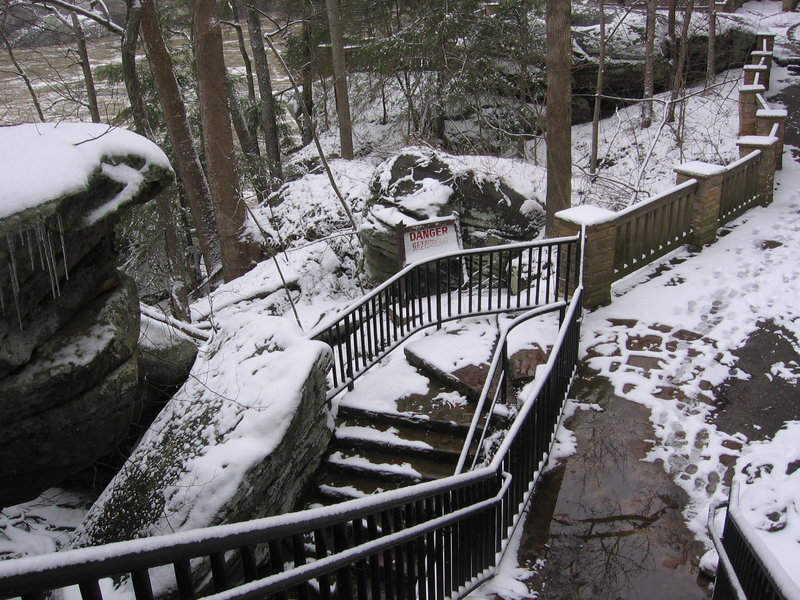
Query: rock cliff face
x=69 y=321
x=238 y=441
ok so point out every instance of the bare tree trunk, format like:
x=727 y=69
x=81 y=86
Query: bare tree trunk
x=86 y=67
x=559 y=111
x=21 y=72
x=307 y=74
x=177 y=267
x=679 y=78
x=129 y=75
x=649 y=64
x=711 y=60
x=525 y=85
x=340 y=79
x=268 y=122
x=249 y=144
x=248 y=67
x=598 y=91
x=223 y=181
x=191 y=174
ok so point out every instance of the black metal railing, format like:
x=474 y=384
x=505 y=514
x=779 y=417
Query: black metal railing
x=513 y=277
x=496 y=391
x=744 y=572
x=432 y=540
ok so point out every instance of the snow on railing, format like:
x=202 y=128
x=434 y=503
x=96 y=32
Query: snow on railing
x=747 y=568
x=431 y=540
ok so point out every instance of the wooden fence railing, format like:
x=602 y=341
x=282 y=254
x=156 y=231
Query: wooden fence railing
x=705 y=196
x=648 y=231
x=739 y=187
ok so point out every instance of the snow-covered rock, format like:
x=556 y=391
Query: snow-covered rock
x=494 y=199
x=238 y=441
x=68 y=320
x=623 y=74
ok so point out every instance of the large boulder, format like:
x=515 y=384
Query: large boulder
x=166 y=356
x=238 y=441
x=68 y=320
x=420 y=184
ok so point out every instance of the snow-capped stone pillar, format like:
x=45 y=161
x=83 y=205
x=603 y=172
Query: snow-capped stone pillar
x=751 y=71
x=705 y=208
x=601 y=241
x=766 y=120
x=766 y=166
x=762 y=57
x=748 y=106
x=765 y=40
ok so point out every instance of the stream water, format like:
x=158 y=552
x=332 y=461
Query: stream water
x=56 y=76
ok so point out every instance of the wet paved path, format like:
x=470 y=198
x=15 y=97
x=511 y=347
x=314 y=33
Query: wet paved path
x=615 y=524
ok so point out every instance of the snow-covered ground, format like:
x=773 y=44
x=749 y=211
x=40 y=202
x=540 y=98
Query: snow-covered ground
x=720 y=293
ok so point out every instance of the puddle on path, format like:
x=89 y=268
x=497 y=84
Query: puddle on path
x=607 y=524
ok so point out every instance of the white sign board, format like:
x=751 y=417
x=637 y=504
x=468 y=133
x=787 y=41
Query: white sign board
x=428 y=238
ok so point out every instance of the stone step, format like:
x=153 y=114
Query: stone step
x=388 y=465
x=417 y=411
x=413 y=440
x=334 y=486
x=458 y=354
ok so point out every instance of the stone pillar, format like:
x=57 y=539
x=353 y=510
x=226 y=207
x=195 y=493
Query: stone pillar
x=766 y=166
x=748 y=105
x=762 y=57
x=705 y=208
x=765 y=40
x=598 y=252
x=750 y=72
x=766 y=119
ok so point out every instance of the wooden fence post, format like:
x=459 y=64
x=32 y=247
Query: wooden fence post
x=598 y=252
x=766 y=166
x=748 y=105
x=707 y=199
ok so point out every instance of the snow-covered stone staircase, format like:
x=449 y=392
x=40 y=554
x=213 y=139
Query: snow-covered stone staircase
x=407 y=419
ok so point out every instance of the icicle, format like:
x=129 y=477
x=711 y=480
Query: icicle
x=29 y=237
x=52 y=265
x=46 y=244
x=63 y=247
x=12 y=268
x=40 y=246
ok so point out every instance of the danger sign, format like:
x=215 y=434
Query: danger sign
x=428 y=238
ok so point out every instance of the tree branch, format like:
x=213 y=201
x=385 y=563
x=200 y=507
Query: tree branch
x=104 y=21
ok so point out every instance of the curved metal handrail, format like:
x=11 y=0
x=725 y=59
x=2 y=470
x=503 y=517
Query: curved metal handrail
x=480 y=281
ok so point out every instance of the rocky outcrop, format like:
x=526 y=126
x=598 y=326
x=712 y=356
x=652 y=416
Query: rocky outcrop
x=420 y=184
x=623 y=75
x=69 y=321
x=238 y=441
x=166 y=356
